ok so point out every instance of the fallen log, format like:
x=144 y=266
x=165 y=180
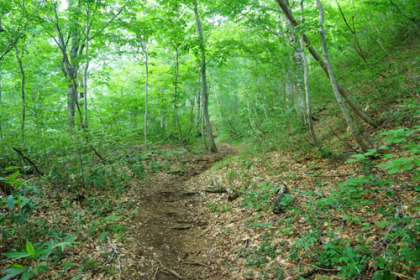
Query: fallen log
x=216 y=190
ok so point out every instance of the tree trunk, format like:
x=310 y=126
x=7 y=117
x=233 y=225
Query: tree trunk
x=146 y=91
x=1 y=28
x=288 y=13
x=175 y=94
x=1 y=100
x=334 y=82
x=198 y=112
x=306 y=82
x=85 y=73
x=72 y=76
x=22 y=88
x=212 y=145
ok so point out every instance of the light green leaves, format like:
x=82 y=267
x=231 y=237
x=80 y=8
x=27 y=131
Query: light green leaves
x=30 y=249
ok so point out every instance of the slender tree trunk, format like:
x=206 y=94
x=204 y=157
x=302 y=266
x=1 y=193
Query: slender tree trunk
x=358 y=47
x=412 y=19
x=212 y=145
x=175 y=94
x=288 y=13
x=22 y=88
x=1 y=28
x=248 y=107
x=235 y=102
x=72 y=74
x=198 y=112
x=146 y=91
x=85 y=73
x=203 y=137
x=1 y=102
x=306 y=82
x=219 y=109
x=337 y=94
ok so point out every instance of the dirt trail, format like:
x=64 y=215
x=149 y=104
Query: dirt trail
x=166 y=237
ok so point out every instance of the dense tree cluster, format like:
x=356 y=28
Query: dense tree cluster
x=175 y=70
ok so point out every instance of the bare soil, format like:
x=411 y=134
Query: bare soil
x=166 y=238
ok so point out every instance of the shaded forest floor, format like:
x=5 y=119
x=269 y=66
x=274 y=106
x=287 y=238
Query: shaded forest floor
x=165 y=237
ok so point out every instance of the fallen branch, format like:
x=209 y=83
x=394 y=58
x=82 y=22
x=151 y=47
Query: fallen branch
x=171 y=271
x=194 y=263
x=155 y=274
x=344 y=142
x=216 y=190
x=113 y=249
x=403 y=276
x=315 y=269
x=338 y=175
x=28 y=160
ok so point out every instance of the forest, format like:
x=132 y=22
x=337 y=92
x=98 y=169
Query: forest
x=197 y=139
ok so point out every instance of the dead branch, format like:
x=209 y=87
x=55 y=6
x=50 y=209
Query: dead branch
x=28 y=160
x=171 y=271
x=194 y=263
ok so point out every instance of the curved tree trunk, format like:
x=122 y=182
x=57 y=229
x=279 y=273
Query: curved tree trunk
x=337 y=94
x=288 y=13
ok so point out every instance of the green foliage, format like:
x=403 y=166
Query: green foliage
x=259 y=196
x=40 y=254
x=259 y=255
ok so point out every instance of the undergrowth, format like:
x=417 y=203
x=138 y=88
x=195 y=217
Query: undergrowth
x=366 y=226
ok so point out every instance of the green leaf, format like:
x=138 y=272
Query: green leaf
x=12 y=168
x=383 y=275
x=13 y=176
x=355 y=158
x=16 y=255
x=12 y=272
x=102 y=236
x=30 y=249
x=17 y=266
x=11 y=201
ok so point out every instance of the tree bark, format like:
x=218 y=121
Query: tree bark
x=1 y=100
x=22 y=89
x=288 y=13
x=1 y=27
x=212 y=145
x=146 y=91
x=337 y=94
x=176 y=92
x=85 y=73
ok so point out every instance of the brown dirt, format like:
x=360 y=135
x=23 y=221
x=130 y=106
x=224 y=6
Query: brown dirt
x=165 y=238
